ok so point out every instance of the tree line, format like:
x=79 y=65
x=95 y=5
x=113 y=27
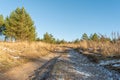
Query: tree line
x=93 y=37
x=19 y=26
x=115 y=36
x=49 y=38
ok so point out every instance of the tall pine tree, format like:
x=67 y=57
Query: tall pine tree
x=2 y=28
x=94 y=37
x=1 y=20
x=20 y=26
x=85 y=36
x=49 y=38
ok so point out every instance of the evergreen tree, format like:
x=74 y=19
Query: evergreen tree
x=38 y=39
x=94 y=37
x=20 y=26
x=1 y=20
x=49 y=38
x=63 y=41
x=85 y=36
x=58 y=41
x=76 y=41
x=2 y=28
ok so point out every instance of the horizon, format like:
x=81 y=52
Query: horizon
x=69 y=19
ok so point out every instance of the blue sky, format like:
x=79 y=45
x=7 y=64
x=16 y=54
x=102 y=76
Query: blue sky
x=69 y=19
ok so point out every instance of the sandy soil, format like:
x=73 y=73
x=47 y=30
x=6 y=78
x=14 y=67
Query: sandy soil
x=69 y=66
x=24 y=71
x=74 y=66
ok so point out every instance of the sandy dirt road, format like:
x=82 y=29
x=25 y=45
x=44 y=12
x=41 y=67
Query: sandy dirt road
x=65 y=66
x=73 y=66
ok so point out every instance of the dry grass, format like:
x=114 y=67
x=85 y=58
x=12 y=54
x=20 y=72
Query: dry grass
x=105 y=48
x=111 y=49
x=14 y=54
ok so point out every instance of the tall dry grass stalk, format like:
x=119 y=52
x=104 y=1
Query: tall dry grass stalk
x=105 y=48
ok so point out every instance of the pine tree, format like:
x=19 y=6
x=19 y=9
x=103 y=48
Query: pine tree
x=49 y=38
x=85 y=36
x=20 y=26
x=63 y=41
x=1 y=20
x=2 y=28
x=95 y=37
x=76 y=41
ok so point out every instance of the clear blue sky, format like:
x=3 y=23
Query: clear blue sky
x=68 y=19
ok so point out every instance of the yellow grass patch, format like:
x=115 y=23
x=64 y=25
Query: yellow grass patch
x=14 y=54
